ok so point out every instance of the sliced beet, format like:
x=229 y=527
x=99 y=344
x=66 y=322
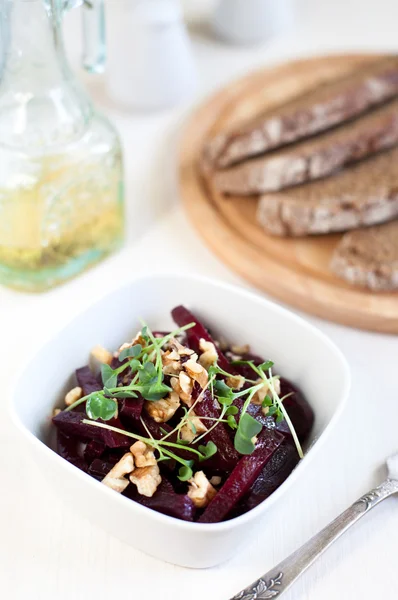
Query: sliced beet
x=69 y=448
x=131 y=409
x=182 y=316
x=275 y=472
x=87 y=381
x=226 y=457
x=242 y=477
x=94 y=449
x=165 y=500
x=70 y=423
x=155 y=430
x=298 y=409
x=101 y=466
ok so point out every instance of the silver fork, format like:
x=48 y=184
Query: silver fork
x=281 y=577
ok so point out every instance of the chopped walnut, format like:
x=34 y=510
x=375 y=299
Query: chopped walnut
x=56 y=411
x=236 y=382
x=200 y=490
x=209 y=354
x=240 y=350
x=143 y=455
x=259 y=396
x=196 y=372
x=162 y=410
x=215 y=480
x=73 y=395
x=183 y=386
x=192 y=428
x=171 y=363
x=180 y=349
x=101 y=355
x=116 y=479
x=147 y=480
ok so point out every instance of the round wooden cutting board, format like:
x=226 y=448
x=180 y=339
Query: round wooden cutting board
x=294 y=270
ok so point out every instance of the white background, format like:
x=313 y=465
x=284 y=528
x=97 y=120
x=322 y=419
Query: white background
x=47 y=552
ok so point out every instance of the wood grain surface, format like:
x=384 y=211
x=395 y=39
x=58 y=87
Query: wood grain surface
x=295 y=271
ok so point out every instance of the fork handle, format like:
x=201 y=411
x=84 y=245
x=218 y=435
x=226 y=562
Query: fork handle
x=281 y=577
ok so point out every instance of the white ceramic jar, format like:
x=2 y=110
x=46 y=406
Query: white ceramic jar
x=252 y=21
x=150 y=63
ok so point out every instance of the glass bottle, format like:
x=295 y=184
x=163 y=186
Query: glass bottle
x=61 y=177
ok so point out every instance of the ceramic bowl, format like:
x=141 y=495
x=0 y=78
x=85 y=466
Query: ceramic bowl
x=302 y=353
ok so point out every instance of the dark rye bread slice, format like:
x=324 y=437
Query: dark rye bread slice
x=324 y=107
x=313 y=158
x=363 y=194
x=369 y=257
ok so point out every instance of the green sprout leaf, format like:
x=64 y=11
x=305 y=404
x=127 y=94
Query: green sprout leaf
x=223 y=390
x=247 y=429
x=210 y=449
x=124 y=394
x=232 y=410
x=185 y=472
x=155 y=391
x=144 y=333
x=148 y=374
x=133 y=352
x=265 y=366
x=109 y=376
x=266 y=402
x=248 y=426
x=232 y=422
x=99 y=407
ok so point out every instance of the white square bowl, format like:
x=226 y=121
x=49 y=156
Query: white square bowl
x=302 y=353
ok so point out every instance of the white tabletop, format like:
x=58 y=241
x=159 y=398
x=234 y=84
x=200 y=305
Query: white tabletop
x=47 y=552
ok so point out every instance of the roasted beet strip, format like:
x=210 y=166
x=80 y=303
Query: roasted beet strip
x=226 y=457
x=182 y=316
x=155 y=431
x=87 y=381
x=165 y=500
x=68 y=448
x=242 y=477
x=70 y=423
x=131 y=409
x=93 y=450
x=275 y=472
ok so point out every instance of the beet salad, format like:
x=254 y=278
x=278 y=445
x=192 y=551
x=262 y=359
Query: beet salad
x=185 y=424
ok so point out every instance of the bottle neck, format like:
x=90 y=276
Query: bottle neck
x=39 y=97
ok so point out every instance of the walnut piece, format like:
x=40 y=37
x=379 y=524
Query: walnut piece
x=196 y=372
x=200 y=490
x=236 y=382
x=241 y=350
x=209 y=354
x=179 y=348
x=147 y=480
x=56 y=411
x=183 y=386
x=102 y=355
x=162 y=410
x=73 y=395
x=192 y=428
x=143 y=455
x=171 y=361
x=259 y=396
x=115 y=479
x=215 y=480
